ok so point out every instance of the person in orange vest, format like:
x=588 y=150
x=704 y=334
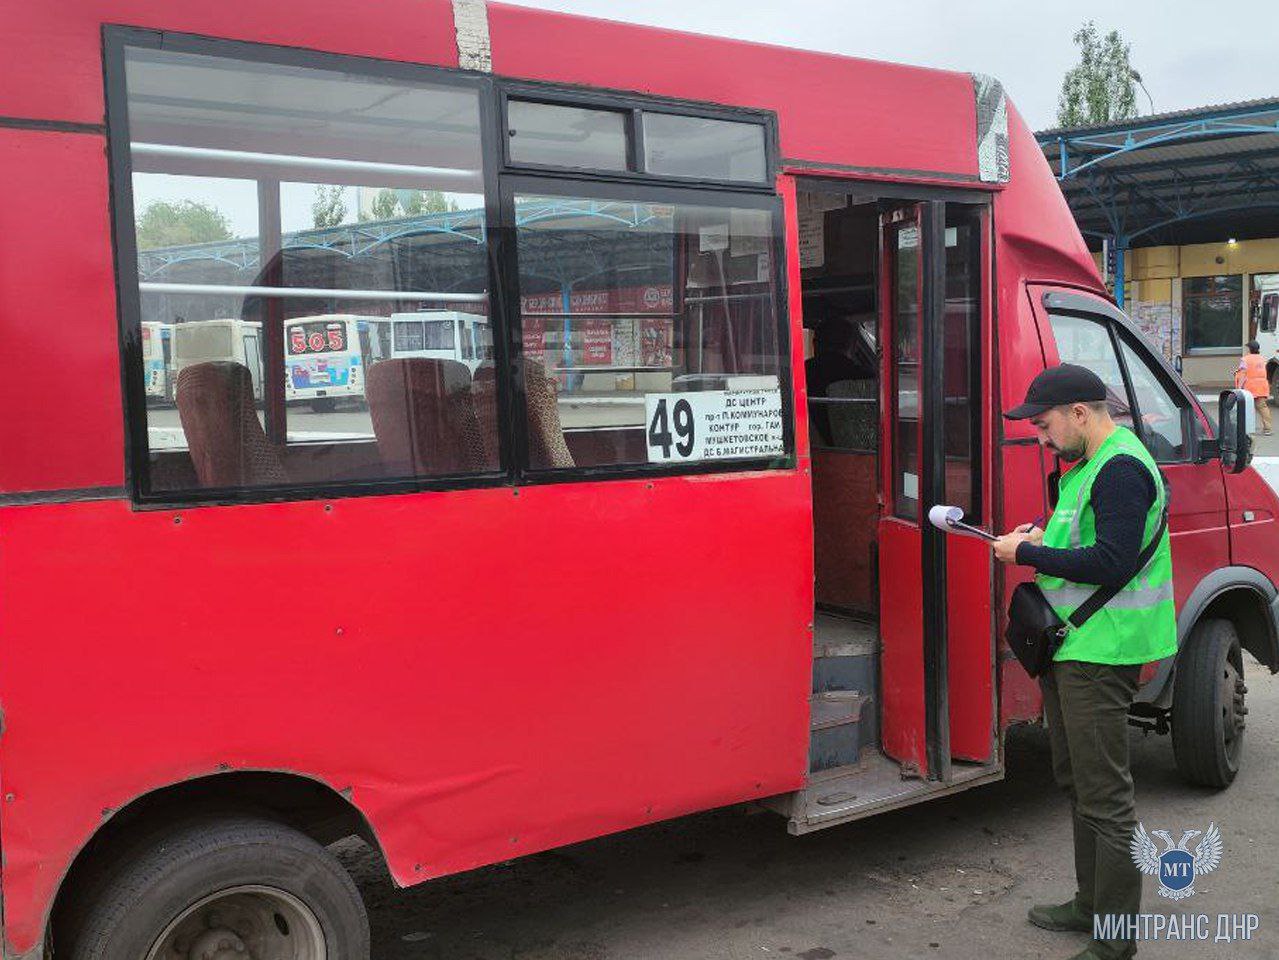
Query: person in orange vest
x=1251 y=376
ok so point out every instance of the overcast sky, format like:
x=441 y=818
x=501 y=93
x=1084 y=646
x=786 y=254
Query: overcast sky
x=1189 y=54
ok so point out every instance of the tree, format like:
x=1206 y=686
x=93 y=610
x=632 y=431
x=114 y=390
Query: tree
x=329 y=209
x=1100 y=88
x=170 y=224
x=389 y=203
x=384 y=204
x=428 y=201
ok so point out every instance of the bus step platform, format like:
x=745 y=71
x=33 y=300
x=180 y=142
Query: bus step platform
x=876 y=783
x=835 y=737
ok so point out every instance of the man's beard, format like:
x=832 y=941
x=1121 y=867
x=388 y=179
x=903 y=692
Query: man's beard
x=1069 y=454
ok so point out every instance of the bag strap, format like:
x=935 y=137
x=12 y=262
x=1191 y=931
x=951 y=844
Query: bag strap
x=1104 y=595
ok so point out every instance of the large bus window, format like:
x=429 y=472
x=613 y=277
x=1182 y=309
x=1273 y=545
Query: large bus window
x=285 y=217
x=650 y=331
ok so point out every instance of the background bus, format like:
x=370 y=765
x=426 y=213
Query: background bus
x=199 y=341
x=323 y=359
x=157 y=360
x=442 y=335
x=1265 y=322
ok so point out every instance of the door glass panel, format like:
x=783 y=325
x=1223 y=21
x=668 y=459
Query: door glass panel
x=961 y=363
x=1163 y=416
x=906 y=246
x=1087 y=343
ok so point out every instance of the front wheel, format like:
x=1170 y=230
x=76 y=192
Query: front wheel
x=1208 y=705
x=224 y=889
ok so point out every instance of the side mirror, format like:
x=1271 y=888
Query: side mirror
x=1235 y=422
x=1176 y=363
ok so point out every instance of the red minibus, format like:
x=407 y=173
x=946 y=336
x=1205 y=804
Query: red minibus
x=660 y=547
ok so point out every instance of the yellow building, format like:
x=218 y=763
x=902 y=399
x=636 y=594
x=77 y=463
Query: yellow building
x=1201 y=301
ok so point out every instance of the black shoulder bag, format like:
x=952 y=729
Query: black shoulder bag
x=1035 y=632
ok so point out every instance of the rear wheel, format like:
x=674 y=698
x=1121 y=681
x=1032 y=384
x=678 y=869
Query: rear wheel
x=224 y=889
x=1208 y=705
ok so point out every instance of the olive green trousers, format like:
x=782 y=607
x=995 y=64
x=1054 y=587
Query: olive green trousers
x=1086 y=706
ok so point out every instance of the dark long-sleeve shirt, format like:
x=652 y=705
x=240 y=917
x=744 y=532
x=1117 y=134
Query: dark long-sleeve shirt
x=1122 y=493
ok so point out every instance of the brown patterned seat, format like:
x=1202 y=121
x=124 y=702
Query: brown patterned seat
x=547 y=448
x=424 y=418
x=228 y=446
x=546 y=445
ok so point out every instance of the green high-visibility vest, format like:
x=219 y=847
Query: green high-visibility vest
x=1140 y=623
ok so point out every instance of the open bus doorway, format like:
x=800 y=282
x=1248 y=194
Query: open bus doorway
x=903 y=668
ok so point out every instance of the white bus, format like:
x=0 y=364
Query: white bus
x=1266 y=322
x=442 y=335
x=200 y=341
x=323 y=359
x=157 y=360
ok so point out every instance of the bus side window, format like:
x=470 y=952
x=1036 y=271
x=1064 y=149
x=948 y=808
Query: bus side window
x=1163 y=415
x=1087 y=343
x=311 y=376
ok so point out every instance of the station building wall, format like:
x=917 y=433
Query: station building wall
x=1153 y=297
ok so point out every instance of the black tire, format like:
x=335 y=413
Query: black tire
x=1208 y=705
x=191 y=862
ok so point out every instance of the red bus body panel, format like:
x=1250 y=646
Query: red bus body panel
x=488 y=674
x=484 y=672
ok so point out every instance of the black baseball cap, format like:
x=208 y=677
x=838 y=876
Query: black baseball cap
x=1056 y=386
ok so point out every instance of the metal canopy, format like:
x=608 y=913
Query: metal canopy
x=1186 y=177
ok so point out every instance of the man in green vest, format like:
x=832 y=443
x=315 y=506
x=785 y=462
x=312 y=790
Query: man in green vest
x=1110 y=505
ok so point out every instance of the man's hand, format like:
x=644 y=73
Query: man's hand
x=1006 y=546
x=1036 y=535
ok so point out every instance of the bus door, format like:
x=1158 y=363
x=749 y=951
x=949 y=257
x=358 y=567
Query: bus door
x=937 y=659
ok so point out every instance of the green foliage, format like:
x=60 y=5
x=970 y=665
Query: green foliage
x=328 y=209
x=1100 y=88
x=165 y=224
x=428 y=201
x=411 y=203
x=384 y=205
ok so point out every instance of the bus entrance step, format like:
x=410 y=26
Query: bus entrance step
x=876 y=784
x=835 y=736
